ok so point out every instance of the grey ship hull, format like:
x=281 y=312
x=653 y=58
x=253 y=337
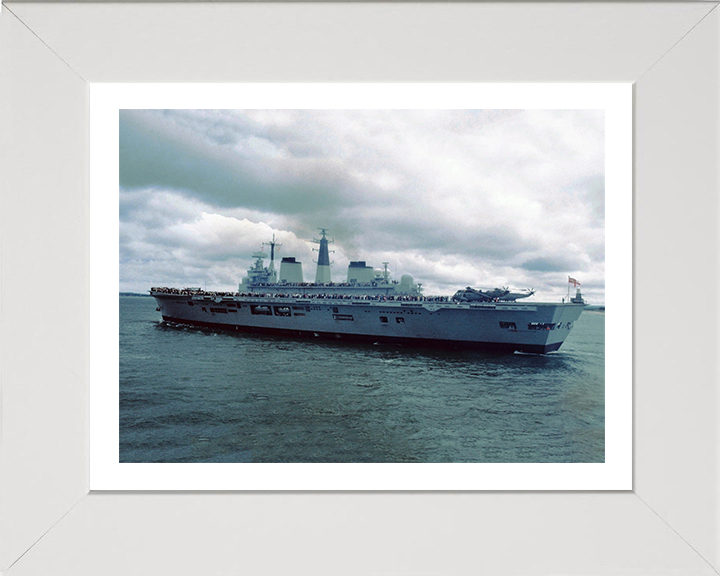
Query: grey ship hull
x=506 y=326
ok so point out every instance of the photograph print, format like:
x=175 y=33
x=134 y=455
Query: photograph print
x=362 y=286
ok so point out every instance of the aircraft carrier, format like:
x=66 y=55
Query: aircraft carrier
x=372 y=309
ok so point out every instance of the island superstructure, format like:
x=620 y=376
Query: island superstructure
x=361 y=278
x=371 y=308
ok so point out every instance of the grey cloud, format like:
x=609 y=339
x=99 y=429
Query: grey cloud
x=592 y=192
x=496 y=192
x=437 y=239
x=557 y=264
x=152 y=159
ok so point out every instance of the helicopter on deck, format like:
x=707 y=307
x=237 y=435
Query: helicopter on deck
x=496 y=295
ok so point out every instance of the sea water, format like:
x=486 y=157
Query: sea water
x=194 y=395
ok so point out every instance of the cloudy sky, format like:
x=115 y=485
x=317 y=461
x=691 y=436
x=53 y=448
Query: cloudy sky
x=455 y=198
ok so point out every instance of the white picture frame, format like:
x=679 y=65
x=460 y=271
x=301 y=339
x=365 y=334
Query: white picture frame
x=50 y=52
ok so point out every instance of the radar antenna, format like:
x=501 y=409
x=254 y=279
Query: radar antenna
x=323 y=241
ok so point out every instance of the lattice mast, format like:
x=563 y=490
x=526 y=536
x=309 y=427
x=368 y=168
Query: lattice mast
x=271 y=267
